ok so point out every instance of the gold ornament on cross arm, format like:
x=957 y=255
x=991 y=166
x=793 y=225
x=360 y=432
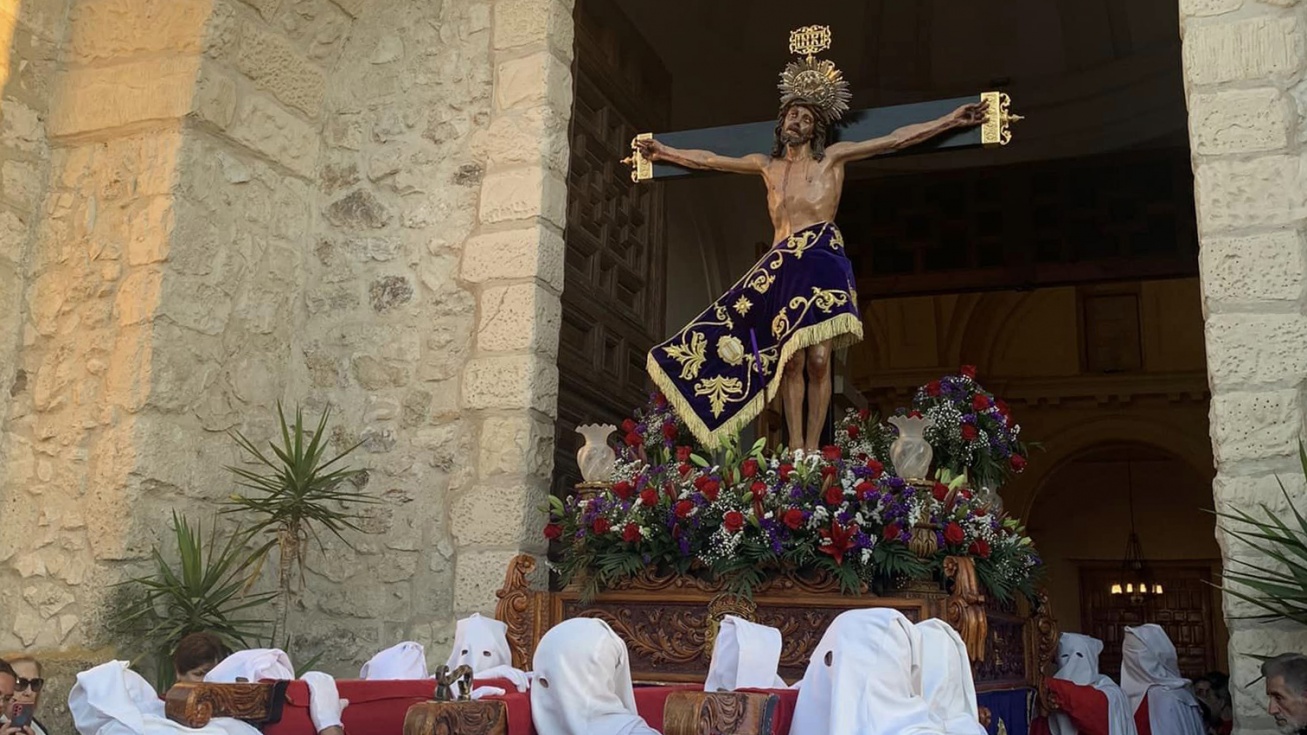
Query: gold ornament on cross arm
x=996 y=130
x=641 y=167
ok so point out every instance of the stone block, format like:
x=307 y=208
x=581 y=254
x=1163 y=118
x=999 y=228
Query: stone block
x=527 y=252
x=1254 y=268
x=358 y=210
x=194 y=303
x=1253 y=48
x=21 y=128
x=266 y=128
x=1238 y=121
x=515 y=445
x=215 y=96
x=1200 y=8
x=275 y=65
x=44 y=18
x=103 y=98
x=1255 y=425
x=498 y=514
x=514 y=382
x=1254 y=349
x=524 y=193
x=1262 y=192
x=353 y=7
x=520 y=317
x=20 y=183
x=534 y=137
x=478 y=575
x=105 y=30
x=389 y=292
x=534 y=22
x=531 y=81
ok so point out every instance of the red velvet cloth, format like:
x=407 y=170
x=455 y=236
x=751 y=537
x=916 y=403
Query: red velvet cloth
x=1142 y=723
x=1039 y=726
x=1085 y=705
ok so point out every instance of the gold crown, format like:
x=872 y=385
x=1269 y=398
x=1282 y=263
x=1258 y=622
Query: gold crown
x=812 y=81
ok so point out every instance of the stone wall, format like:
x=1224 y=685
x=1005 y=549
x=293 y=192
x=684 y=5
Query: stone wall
x=1244 y=62
x=327 y=202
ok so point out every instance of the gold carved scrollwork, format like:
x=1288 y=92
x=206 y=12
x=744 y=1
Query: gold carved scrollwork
x=966 y=605
x=997 y=128
x=641 y=167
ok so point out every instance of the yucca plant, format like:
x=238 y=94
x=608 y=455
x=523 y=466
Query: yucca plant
x=295 y=492
x=203 y=589
x=1281 y=593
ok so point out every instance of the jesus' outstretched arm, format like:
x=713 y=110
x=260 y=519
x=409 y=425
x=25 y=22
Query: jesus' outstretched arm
x=702 y=160
x=907 y=136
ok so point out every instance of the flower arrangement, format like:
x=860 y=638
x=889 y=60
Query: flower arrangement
x=745 y=515
x=972 y=433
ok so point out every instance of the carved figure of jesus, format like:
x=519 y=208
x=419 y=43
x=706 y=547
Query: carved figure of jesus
x=804 y=178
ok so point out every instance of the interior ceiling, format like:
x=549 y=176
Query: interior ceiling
x=1090 y=75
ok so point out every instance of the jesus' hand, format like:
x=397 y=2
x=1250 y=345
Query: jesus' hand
x=971 y=115
x=651 y=149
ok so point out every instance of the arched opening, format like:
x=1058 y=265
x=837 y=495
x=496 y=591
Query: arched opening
x=1080 y=518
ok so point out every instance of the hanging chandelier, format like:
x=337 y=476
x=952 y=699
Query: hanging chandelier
x=1136 y=579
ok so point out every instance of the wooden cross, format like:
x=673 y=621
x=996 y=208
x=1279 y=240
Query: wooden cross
x=747 y=138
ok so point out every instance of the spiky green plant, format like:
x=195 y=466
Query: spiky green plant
x=1280 y=592
x=203 y=589
x=293 y=493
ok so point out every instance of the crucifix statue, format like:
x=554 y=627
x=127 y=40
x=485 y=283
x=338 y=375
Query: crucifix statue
x=780 y=322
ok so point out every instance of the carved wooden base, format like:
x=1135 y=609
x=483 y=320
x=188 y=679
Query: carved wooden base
x=481 y=717
x=719 y=713
x=193 y=705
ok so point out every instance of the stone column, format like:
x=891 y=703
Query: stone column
x=1243 y=64
x=514 y=262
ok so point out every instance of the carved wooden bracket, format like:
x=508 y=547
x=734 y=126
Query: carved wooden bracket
x=524 y=610
x=965 y=609
x=194 y=704
x=482 y=717
x=718 y=713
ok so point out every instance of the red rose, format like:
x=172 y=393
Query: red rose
x=685 y=468
x=553 y=531
x=831 y=453
x=914 y=414
x=601 y=525
x=670 y=432
x=830 y=470
x=683 y=454
x=968 y=371
x=793 y=518
x=854 y=431
x=834 y=495
x=864 y=414
x=1002 y=406
x=649 y=496
x=953 y=534
x=633 y=439
x=784 y=472
x=623 y=490
x=631 y=533
x=933 y=388
x=891 y=532
x=749 y=468
x=699 y=482
x=733 y=521
x=877 y=468
x=759 y=489
x=684 y=508
x=980 y=548
x=980 y=402
x=969 y=432
x=628 y=426
x=864 y=489
x=710 y=490
x=940 y=491
x=660 y=400
x=1017 y=463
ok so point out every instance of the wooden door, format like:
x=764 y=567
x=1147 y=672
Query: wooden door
x=614 y=290
x=1184 y=610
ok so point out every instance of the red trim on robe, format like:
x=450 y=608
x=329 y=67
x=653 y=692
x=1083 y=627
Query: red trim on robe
x=1085 y=705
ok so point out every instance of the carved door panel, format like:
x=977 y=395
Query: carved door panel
x=1184 y=610
x=613 y=296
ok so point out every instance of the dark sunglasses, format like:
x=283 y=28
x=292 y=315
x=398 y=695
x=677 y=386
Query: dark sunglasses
x=21 y=684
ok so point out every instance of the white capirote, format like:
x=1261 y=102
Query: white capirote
x=946 y=679
x=583 y=682
x=745 y=655
x=1150 y=668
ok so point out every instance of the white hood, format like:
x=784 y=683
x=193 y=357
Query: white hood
x=583 y=682
x=256 y=664
x=407 y=660
x=946 y=679
x=745 y=655
x=1150 y=668
x=111 y=699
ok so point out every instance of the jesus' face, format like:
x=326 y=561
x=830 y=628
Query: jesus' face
x=798 y=124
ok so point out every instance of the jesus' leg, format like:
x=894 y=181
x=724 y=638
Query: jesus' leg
x=819 y=390
x=792 y=396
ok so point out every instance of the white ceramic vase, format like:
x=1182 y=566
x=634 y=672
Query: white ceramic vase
x=911 y=453
x=596 y=458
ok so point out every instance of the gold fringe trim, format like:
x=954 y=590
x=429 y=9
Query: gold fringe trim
x=840 y=330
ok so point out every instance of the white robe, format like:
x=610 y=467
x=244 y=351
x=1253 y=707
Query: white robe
x=111 y=699
x=482 y=644
x=1150 y=668
x=407 y=660
x=864 y=678
x=1077 y=660
x=583 y=682
x=946 y=679
x=745 y=655
x=253 y=665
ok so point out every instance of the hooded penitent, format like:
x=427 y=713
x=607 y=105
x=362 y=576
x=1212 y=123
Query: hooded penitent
x=1077 y=660
x=481 y=643
x=407 y=660
x=583 y=682
x=1150 y=668
x=111 y=699
x=946 y=679
x=745 y=655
